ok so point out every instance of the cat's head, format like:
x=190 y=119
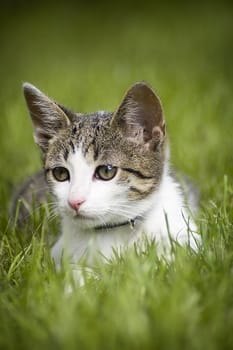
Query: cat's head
x=103 y=167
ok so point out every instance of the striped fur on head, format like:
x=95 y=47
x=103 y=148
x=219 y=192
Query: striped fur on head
x=132 y=139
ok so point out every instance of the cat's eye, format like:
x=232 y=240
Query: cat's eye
x=105 y=172
x=60 y=173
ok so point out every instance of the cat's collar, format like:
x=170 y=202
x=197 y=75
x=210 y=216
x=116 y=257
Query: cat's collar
x=131 y=223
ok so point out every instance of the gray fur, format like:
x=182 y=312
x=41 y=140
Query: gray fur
x=33 y=192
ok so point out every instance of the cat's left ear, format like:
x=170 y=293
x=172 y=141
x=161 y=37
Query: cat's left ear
x=140 y=116
x=47 y=116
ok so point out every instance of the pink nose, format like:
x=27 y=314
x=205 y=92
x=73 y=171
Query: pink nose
x=75 y=203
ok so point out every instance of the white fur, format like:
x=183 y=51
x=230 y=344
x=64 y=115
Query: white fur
x=163 y=213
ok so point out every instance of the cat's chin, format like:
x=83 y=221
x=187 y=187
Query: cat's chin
x=91 y=221
x=74 y=216
x=79 y=216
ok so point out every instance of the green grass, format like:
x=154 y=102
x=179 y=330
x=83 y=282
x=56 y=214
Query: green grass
x=87 y=57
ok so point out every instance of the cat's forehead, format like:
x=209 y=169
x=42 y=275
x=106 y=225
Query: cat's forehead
x=99 y=117
x=87 y=125
x=100 y=143
x=92 y=133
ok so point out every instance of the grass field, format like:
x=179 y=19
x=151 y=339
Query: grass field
x=86 y=58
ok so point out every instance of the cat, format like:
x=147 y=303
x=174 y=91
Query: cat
x=109 y=174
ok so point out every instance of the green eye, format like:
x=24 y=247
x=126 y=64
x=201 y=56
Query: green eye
x=105 y=172
x=60 y=173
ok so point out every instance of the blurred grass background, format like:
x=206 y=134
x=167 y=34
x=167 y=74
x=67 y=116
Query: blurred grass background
x=86 y=55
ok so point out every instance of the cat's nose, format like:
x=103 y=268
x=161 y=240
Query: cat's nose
x=75 y=203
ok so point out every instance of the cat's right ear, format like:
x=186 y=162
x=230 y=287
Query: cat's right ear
x=47 y=116
x=140 y=116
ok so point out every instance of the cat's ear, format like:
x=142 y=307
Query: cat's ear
x=140 y=116
x=47 y=116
